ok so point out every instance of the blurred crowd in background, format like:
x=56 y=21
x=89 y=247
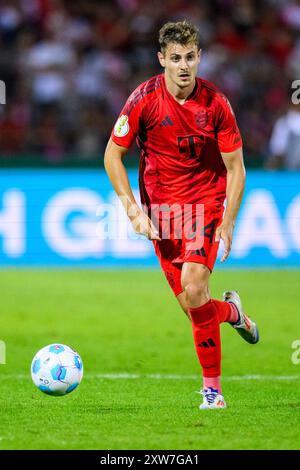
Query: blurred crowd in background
x=69 y=66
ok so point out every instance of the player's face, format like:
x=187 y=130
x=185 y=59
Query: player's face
x=180 y=63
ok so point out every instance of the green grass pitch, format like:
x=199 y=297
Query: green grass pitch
x=140 y=367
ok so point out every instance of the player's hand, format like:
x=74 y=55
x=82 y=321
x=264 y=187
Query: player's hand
x=225 y=233
x=143 y=225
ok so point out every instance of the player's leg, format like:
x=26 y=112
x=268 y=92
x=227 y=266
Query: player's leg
x=195 y=284
x=193 y=292
x=194 y=281
x=206 y=329
x=228 y=311
x=224 y=314
x=183 y=303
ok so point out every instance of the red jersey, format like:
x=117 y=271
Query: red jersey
x=180 y=144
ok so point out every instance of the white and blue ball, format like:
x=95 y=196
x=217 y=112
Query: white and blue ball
x=56 y=369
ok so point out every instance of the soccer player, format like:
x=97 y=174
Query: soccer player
x=191 y=156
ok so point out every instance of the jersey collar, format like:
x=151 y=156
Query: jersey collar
x=191 y=97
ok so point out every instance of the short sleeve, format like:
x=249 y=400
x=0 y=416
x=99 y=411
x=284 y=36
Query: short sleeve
x=127 y=126
x=228 y=134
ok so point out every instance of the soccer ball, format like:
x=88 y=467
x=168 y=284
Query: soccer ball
x=56 y=369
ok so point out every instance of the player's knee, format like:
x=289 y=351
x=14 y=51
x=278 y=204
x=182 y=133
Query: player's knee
x=196 y=293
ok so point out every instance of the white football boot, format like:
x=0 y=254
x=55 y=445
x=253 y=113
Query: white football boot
x=245 y=327
x=212 y=400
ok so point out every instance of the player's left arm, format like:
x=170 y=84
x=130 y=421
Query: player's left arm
x=236 y=176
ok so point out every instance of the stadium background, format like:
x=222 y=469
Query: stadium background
x=68 y=67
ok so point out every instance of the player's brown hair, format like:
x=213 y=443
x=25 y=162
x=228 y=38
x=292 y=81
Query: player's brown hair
x=182 y=32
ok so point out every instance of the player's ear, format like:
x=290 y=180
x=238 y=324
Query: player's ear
x=161 y=59
x=199 y=55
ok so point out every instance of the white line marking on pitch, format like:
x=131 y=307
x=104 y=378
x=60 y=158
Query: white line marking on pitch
x=125 y=375
x=190 y=377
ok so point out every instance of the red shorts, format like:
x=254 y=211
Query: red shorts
x=188 y=239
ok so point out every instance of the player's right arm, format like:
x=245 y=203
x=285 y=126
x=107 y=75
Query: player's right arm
x=116 y=171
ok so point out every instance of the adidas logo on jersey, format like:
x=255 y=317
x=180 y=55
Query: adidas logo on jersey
x=166 y=122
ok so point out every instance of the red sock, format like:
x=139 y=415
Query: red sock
x=206 y=330
x=226 y=311
x=212 y=382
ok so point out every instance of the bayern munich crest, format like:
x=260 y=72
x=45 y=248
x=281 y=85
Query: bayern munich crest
x=201 y=118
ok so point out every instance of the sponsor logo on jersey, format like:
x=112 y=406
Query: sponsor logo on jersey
x=122 y=126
